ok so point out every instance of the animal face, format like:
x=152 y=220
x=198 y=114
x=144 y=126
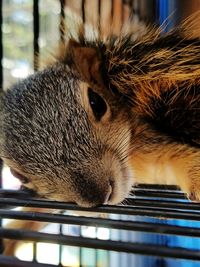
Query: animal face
x=74 y=131
x=65 y=140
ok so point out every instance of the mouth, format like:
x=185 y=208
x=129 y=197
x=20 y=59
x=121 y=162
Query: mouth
x=24 y=181
x=28 y=191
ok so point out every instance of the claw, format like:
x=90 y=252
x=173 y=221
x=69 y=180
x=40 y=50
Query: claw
x=193 y=197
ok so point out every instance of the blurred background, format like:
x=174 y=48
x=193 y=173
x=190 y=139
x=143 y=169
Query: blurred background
x=18 y=58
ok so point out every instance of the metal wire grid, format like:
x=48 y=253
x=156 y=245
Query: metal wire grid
x=148 y=201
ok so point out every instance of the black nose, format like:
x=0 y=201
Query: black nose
x=96 y=196
x=93 y=193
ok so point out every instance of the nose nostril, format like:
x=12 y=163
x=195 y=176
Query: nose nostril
x=109 y=193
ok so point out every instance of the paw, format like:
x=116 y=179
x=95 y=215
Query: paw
x=193 y=193
x=193 y=197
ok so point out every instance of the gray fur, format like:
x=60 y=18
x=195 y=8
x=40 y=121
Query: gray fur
x=47 y=115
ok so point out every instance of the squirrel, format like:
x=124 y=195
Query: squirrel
x=108 y=114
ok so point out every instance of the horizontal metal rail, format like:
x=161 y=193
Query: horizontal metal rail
x=164 y=206
x=178 y=212
x=119 y=246
x=13 y=262
x=156 y=228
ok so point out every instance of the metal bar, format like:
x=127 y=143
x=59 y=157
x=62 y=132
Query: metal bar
x=165 y=212
x=157 y=186
x=107 y=223
x=60 y=247
x=135 y=248
x=1 y=89
x=163 y=204
x=153 y=193
x=99 y=16
x=34 y=252
x=1 y=161
x=80 y=249
x=83 y=10
x=1 y=71
x=36 y=31
x=36 y=51
x=62 y=28
x=10 y=193
x=13 y=262
x=96 y=250
x=159 y=194
x=1 y=45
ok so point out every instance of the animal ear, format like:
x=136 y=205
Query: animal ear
x=86 y=60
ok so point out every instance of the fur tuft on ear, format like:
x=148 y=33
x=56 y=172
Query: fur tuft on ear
x=85 y=60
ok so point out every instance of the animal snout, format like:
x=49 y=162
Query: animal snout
x=93 y=194
x=97 y=196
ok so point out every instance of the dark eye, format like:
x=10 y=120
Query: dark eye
x=97 y=104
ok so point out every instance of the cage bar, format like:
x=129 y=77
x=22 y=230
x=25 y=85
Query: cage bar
x=118 y=246
x=1 y=89
x=83 y=10
x=62 y=28
x=36 y=32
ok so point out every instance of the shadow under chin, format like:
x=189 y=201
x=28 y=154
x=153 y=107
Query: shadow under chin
x=29 y=192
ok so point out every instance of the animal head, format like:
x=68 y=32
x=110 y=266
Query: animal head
x=62 y=133
x=69 y=131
